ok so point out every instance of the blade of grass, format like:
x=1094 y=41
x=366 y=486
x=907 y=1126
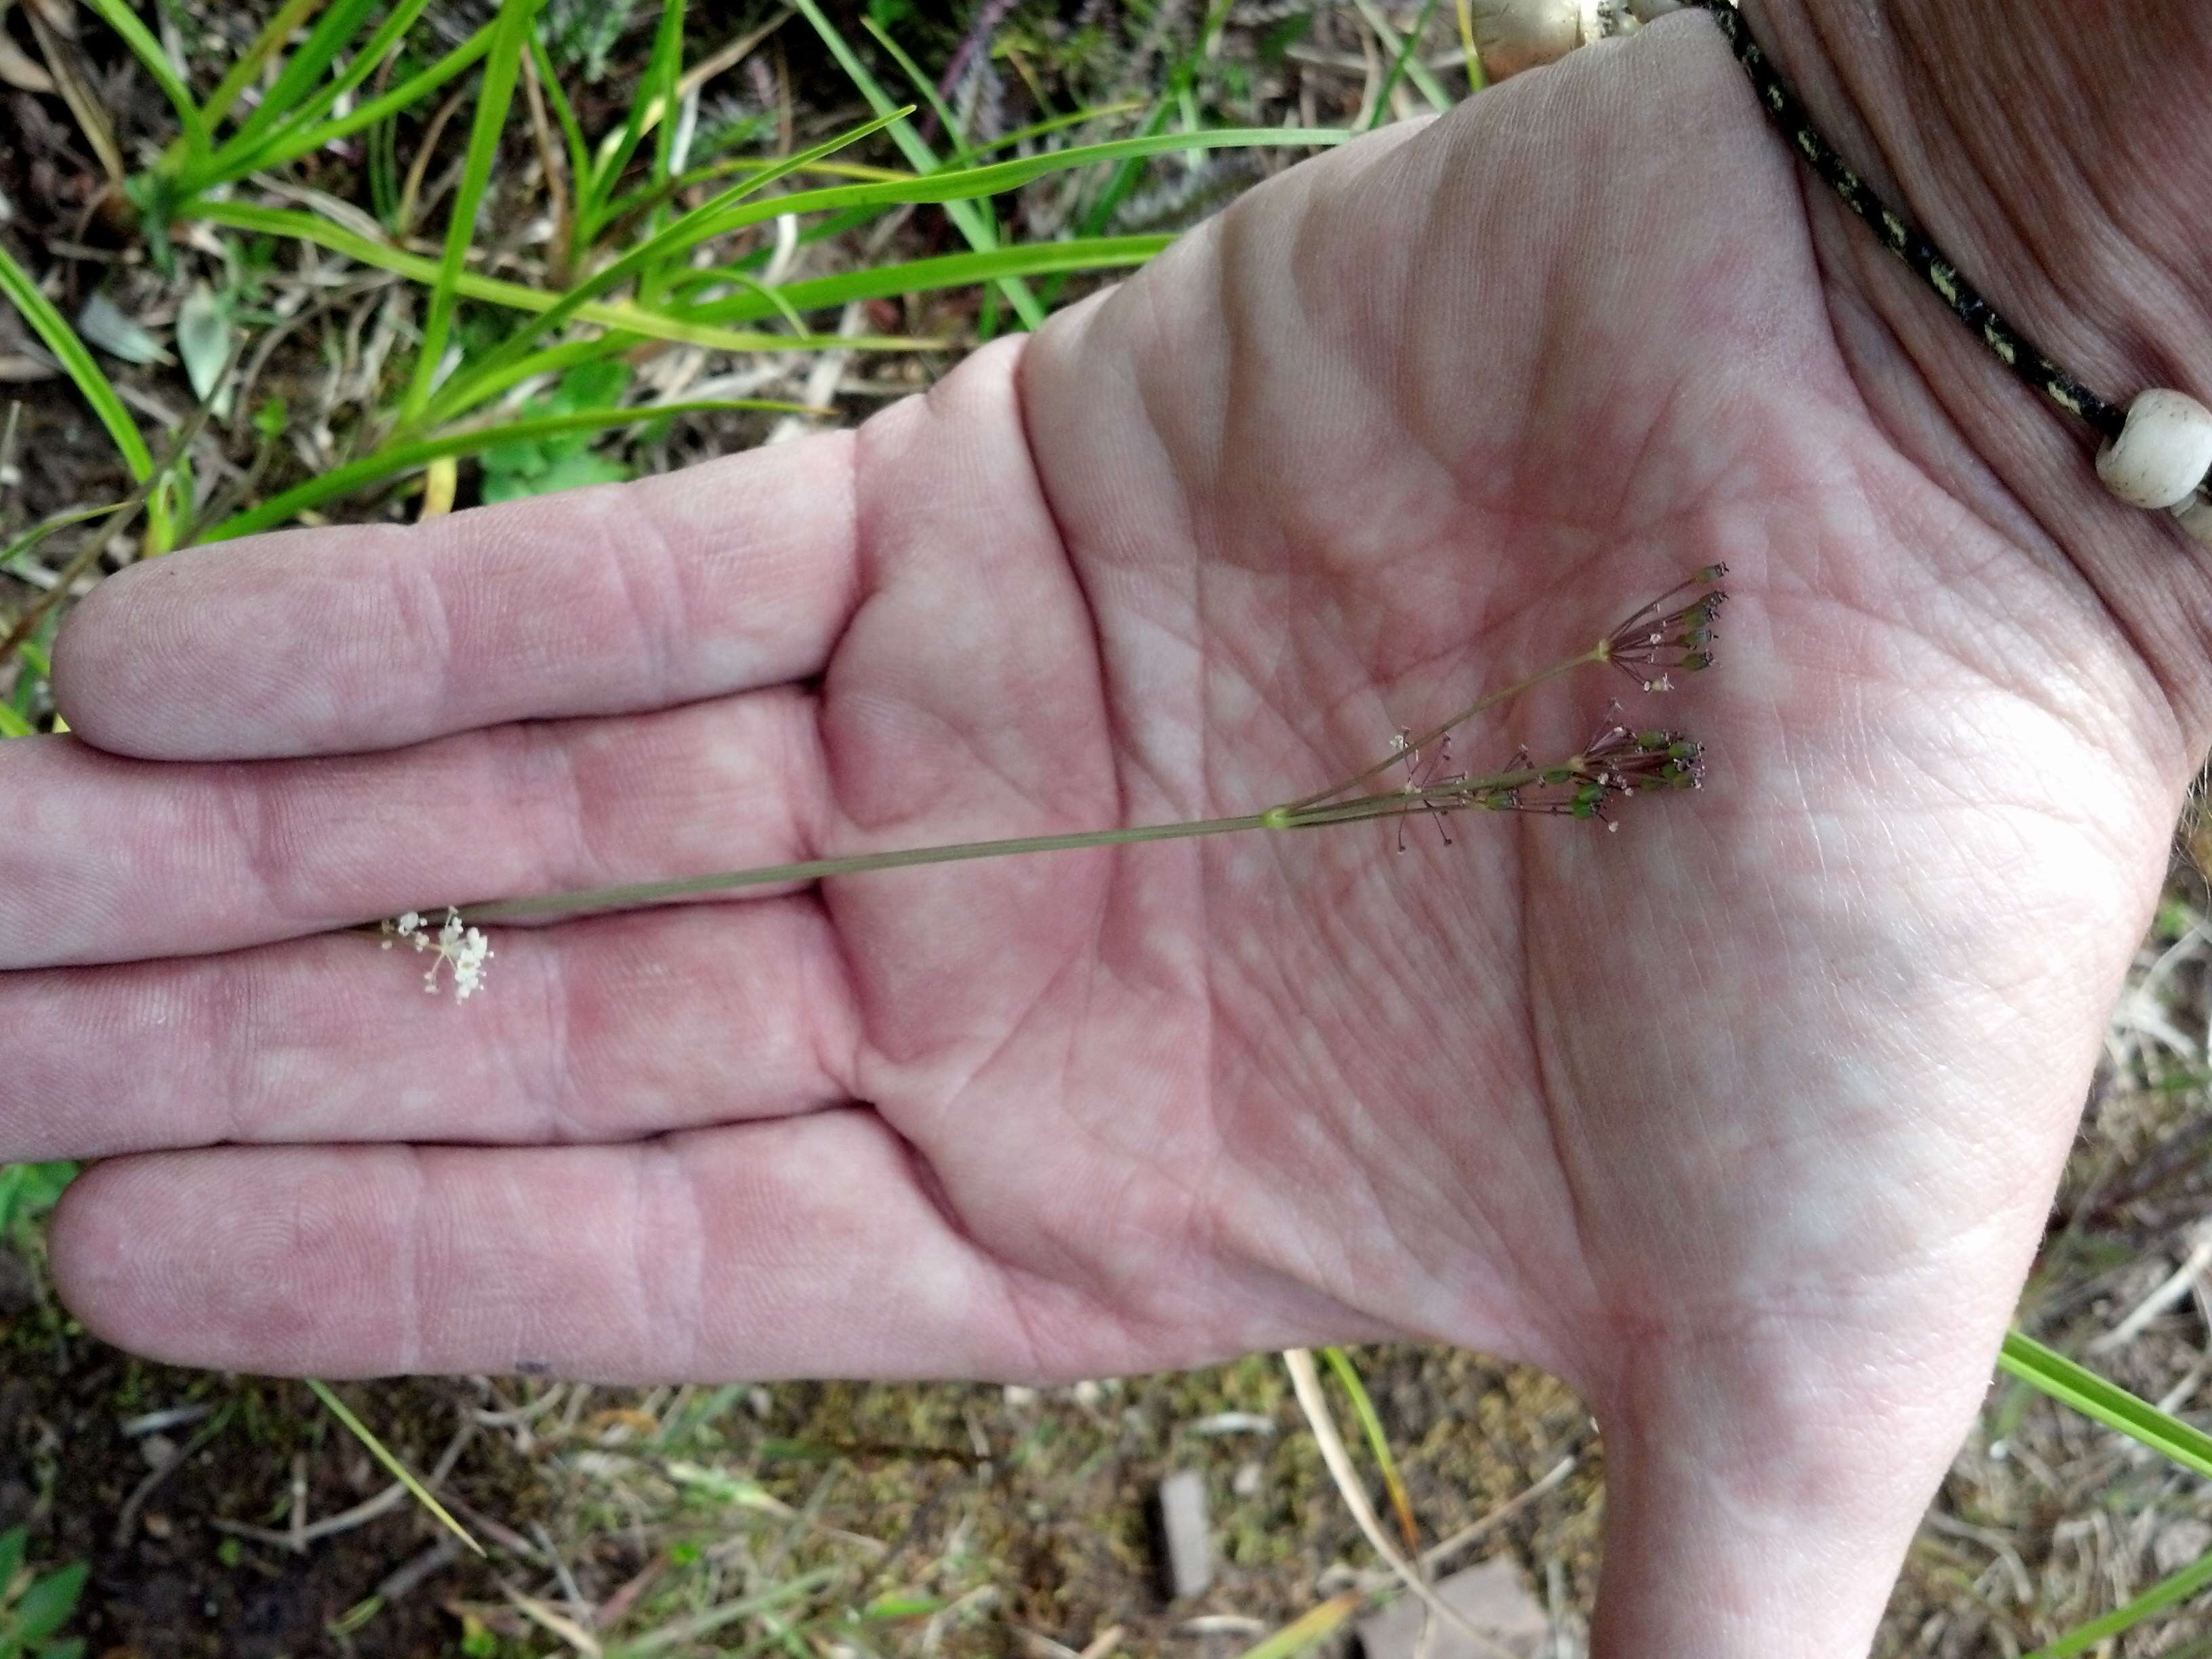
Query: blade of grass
x=395 y=459
x=1378 y=1443
x=948 y=186
x=658 y=83
x=699 y=1626
x=306 y=66
x=671 y=243
x=1305 y=1383
x=274 y=34
x=292 y=142
x=2166 y=1593
x=38 y=532
x=564 y=113
x=925 y=276
x=2051 y=1372
x=650 y=196
x=1416 y=70
x=705 y=223
x=76 y=360
x=666 y=73
x=147 y=50
x=920 y=82
x=1476 y=80
x=979 y=228
x=1400 y=64
x=1309 y=1630
x=502 y=67
x=626 y=319
x=399 y=1471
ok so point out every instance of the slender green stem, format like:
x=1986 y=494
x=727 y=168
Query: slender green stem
x=1467 y=792
x=646 y=892
x=1481 y=705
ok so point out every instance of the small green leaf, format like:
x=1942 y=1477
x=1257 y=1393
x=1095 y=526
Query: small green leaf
x=599 y=385
x=569 y=472
x=12 y=1555
x=46 y=1606
x=271 y=418
x=520 y=458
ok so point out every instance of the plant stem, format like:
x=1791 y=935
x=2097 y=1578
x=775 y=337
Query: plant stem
x=1481 y=705
x=1307 y=812
x=1460 y=793
x=646 y=892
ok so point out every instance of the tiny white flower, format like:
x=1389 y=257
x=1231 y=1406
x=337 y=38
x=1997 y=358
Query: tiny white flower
x=456 y=946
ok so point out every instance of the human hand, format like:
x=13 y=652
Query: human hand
x=1743 y=1119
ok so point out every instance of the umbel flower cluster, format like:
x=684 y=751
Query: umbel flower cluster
x=1673 y=634
x=455 y=945
x=1665 y=636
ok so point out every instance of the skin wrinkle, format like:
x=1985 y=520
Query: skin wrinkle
x=421 y=602
x=564 y=1116
x=410 y=1261
x=656 y=607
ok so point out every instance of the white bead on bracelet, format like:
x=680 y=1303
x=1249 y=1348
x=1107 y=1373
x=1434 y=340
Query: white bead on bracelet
x=2162 y=460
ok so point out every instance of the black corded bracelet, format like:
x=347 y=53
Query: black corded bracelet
x=2156 y=453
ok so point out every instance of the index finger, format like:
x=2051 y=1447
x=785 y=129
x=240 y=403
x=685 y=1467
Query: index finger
x=735 y=574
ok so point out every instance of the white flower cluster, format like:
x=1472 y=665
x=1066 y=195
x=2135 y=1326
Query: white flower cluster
x=464 y=950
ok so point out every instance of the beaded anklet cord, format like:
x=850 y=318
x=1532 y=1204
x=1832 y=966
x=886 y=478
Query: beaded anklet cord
x=2156 y=453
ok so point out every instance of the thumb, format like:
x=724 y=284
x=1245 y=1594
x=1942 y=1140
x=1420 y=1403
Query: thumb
x=1763 y=1484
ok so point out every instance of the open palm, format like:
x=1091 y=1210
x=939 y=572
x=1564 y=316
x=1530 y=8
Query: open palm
x=1743 y=1119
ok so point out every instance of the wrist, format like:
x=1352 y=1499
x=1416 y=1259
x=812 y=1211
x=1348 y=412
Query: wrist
x=2056 y=161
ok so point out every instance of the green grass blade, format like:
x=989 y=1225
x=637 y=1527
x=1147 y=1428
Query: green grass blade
x=2052 y=1373
x=76 y=360
x=654 y=88
x=502 y=68
x=1416 y=70
x=926 y=275
x=2166 y=1593
x=395 y=459
x=1476 y=80
x=921 y=84
x=293 y=142
x=653 y=196
x=628 y=319
x=1378 y=1442
x=979 y=228
x=667 y=70
x=38 y=532
x=296 y=79
x=1309 y=1630
x=274 y=34
x=400 y=1472
x=564 y=113
x=696 y=1627
x=236 y=158
x=118 y=16
x=1400 y=64
x=674 y=242
x=952 y=184
x=955 y=184
x=1021 y=136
